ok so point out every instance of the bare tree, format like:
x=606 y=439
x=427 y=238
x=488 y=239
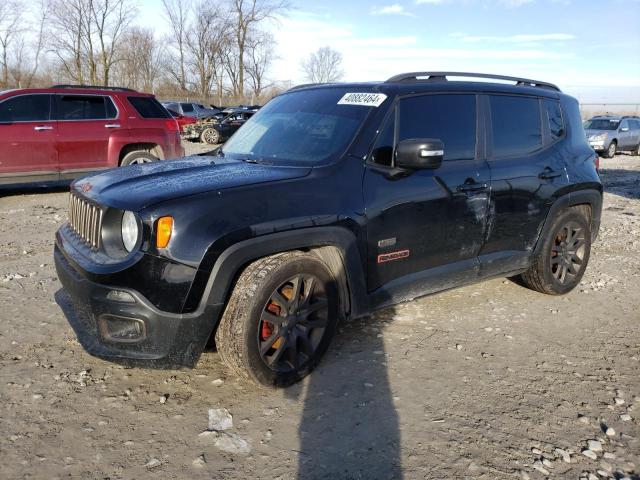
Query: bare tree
x=247 y=15
x=110 y=19
x=323 y=66
x=207 y=37
x=41 y=19
x=140 y=60
x=258 y=58
x=10 y=20
x=69 y=21
x=177 y=13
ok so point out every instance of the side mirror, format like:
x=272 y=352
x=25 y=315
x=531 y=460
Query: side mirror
x=419 y=153
x=624 y=129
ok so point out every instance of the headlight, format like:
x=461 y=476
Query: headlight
x=597 y=138
x=129 y=231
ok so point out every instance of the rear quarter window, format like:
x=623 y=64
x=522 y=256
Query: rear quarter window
x=516 y=126
x=553 y=116
x=148 y=107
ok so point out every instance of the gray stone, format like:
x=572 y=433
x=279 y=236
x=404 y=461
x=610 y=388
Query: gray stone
x=220 y=419
x=153 y=463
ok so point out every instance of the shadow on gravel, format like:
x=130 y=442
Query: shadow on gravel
x=349 y=428
x=9 y=191
x=625 y=183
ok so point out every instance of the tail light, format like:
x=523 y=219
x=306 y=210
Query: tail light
x=596 y=161
x=172 y=125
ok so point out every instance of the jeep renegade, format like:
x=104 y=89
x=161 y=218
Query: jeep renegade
x=332 y=201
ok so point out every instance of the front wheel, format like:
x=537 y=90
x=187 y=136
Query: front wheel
x=280 y=319
x=611 y=151
x=563 y=257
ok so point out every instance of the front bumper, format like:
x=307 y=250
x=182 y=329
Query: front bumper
x=168 y=339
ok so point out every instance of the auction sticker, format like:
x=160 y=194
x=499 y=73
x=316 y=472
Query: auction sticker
x=364 y=99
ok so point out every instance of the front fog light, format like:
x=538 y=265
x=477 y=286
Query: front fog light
x=129 y=231
x=122 y=329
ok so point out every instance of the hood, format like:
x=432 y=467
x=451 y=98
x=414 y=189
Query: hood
x=139 y=186
x=591 y=132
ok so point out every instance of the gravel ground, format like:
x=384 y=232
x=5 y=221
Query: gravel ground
x=488 y=381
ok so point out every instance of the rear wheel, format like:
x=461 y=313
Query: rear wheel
x=611 y=151
x=138 y=157
x=563 y=257
x=280 y=319
x=210 y=136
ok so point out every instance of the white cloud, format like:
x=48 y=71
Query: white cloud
x=395 y=9
x=522 y=38
x=430 y=2
x=515 y=3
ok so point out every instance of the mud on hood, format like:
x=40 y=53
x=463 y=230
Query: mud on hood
x=139 y=186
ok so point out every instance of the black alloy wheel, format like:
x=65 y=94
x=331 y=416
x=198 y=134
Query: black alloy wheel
x=568 y=253
x=293 y=323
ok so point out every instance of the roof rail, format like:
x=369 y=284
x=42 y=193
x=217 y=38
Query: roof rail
x=442 y=77
x=96 y=87
x=304 y=85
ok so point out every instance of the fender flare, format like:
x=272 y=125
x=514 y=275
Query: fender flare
x=591 y=197
x=231 y=261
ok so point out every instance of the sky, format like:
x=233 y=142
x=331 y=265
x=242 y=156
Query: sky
x=590 y=48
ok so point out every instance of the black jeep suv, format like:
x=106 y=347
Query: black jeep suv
x=332 y=201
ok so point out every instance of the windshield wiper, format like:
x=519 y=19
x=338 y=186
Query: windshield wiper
x=257 y=161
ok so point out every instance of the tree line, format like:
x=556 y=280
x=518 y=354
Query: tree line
x=215 y=50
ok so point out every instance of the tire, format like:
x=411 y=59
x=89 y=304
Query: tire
x=138 y=157
x=281 y=353
x=556 y=269
x=210 y=136
x=636 y=151
x=611 y=150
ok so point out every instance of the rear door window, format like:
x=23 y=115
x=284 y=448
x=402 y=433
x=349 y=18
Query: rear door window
x=26 y=108
x=449 y=118
x=515 y=122
x=83 y=107
x=148 y=107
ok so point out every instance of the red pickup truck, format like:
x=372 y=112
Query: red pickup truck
x=66 y=131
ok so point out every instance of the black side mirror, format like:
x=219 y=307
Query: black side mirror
x=419 y=153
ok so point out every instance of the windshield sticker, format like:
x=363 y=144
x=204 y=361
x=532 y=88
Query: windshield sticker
x=364 y=99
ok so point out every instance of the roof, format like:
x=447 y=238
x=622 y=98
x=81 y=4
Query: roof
x=78 y=90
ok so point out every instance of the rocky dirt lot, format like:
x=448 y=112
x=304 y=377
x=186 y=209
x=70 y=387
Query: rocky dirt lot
x=489 y=381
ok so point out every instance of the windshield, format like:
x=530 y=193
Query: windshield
x=187 y=107
x=303 y=127
x=601 y=124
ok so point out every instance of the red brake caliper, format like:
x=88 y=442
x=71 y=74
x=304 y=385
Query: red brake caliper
x=266 y=330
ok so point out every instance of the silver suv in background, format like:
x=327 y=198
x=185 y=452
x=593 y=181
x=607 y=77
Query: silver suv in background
x=608 y=134
x=190 y=109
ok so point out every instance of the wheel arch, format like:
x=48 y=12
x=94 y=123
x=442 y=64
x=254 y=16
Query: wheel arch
x=150 y=147
x=590 y=197
x=335 y=246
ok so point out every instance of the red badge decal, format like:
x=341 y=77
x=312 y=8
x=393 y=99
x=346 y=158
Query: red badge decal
x=388 y=257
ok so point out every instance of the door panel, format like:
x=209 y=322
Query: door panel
x=425 y=219
x=526 y=174
x=27 y=139
x=85 y=127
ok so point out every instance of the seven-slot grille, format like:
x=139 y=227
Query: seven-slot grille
x=86 y=220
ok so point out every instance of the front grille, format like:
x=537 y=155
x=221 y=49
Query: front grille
x=86 y=220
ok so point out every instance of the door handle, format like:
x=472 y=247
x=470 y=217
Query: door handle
x=471 y=187
x=548 y=174
x=112 y=125
x=39 y=128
